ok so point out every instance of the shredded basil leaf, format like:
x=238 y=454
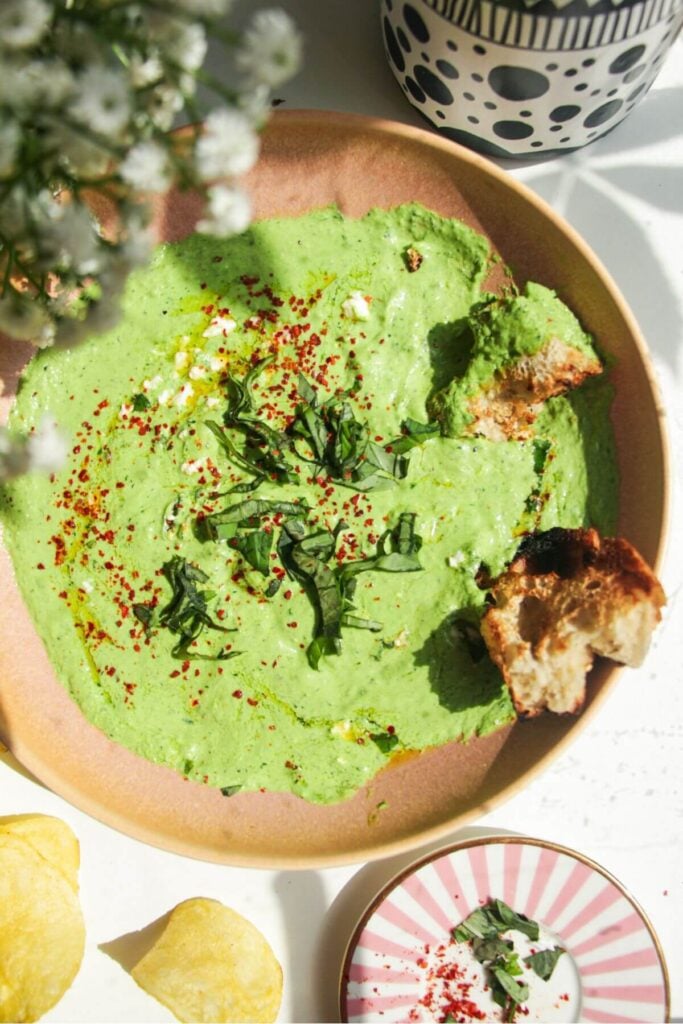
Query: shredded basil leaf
x=186 y=614
x=543 y=962
x=140 y=403
x=484 y=929
x=230 y=790
x=385 y=741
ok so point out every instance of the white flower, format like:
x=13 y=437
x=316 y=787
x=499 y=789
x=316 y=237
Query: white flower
x=9 y=144
x=229 y=145
x=102 y=102
x=145 y=72
x=47 y=448
x=163 y=103
x=270 y=51
x=205 y=8
x=80 y=155
x=180 y=43
x=69 y=235
x=35 y=83
x=22 y=22
x=23 y=319
x=137 y=248
x=145 y=167
x=255 y=104
x=229 y=212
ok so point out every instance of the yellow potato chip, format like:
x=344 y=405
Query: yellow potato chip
x=51 y=838
x=211 y=964
x=42 y=934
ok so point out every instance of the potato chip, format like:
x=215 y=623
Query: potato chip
x=211 y=964
x=51 y=838
x=42 y=935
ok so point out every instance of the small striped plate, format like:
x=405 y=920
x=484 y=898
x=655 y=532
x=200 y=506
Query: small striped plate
x=402 y=964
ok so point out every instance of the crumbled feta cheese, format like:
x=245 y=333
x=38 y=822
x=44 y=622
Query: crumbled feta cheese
x=181 y=360
x=456 y=560
x=125 y=411
x=184 y=395
x=87 y=587
x=216 y=363
x=220 y=325
x=402 y=639
x=356 y=307
x=212 y=401
x=197 y=372
x=165 y=397
x=192 y=466
x=149 y=385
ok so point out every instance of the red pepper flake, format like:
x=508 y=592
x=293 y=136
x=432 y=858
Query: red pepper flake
x=252 y=702
x=175 y=673
x=288 y=595
x=40 y=565
x=120 y=484
x=237 y=693
x=292 y=625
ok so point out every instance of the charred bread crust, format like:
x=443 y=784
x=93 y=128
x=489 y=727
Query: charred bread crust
x=509 y=405
x=566 y=596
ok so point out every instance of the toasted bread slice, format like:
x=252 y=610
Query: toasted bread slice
x=508 y=406
x=521 y=350
x=566 y=596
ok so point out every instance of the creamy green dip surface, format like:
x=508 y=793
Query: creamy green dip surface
x=333 y=299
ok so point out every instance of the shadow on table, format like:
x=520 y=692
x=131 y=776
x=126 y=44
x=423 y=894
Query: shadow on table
x=593 y=192
x=301 y=895
x=350 y=906
x=129 y=949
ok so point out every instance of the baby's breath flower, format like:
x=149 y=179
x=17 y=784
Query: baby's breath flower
x=22 y=23
x=271 y=48
x=69 y=235
x=182 y=44
x=88 y=89
x=229 y=145
x=146 y=167
x=26 y=320
x=43 y=451
x=229 y=211
x=205 y=8
x=46 y=448
x=103 y=102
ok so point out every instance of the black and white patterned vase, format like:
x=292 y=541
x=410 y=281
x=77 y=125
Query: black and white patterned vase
x=526 y=78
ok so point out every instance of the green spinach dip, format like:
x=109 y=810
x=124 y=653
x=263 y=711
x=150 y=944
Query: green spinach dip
x=261 y=565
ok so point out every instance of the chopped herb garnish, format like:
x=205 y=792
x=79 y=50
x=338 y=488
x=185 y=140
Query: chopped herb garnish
x=242 y=526
x=341 y=444
x=305 y=557
x=230 y=790
x=385 y=741
x=140 y=403
x=186 y=615
x=484 y=929
x=265 y=449
x=543 y=962
x=414 y=433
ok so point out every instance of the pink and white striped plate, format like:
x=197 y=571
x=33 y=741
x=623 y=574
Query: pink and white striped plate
x=402 y=964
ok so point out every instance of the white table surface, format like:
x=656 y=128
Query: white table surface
x=615 y=795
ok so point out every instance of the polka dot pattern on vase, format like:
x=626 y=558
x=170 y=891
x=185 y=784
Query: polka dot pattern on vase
x=513 y=82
